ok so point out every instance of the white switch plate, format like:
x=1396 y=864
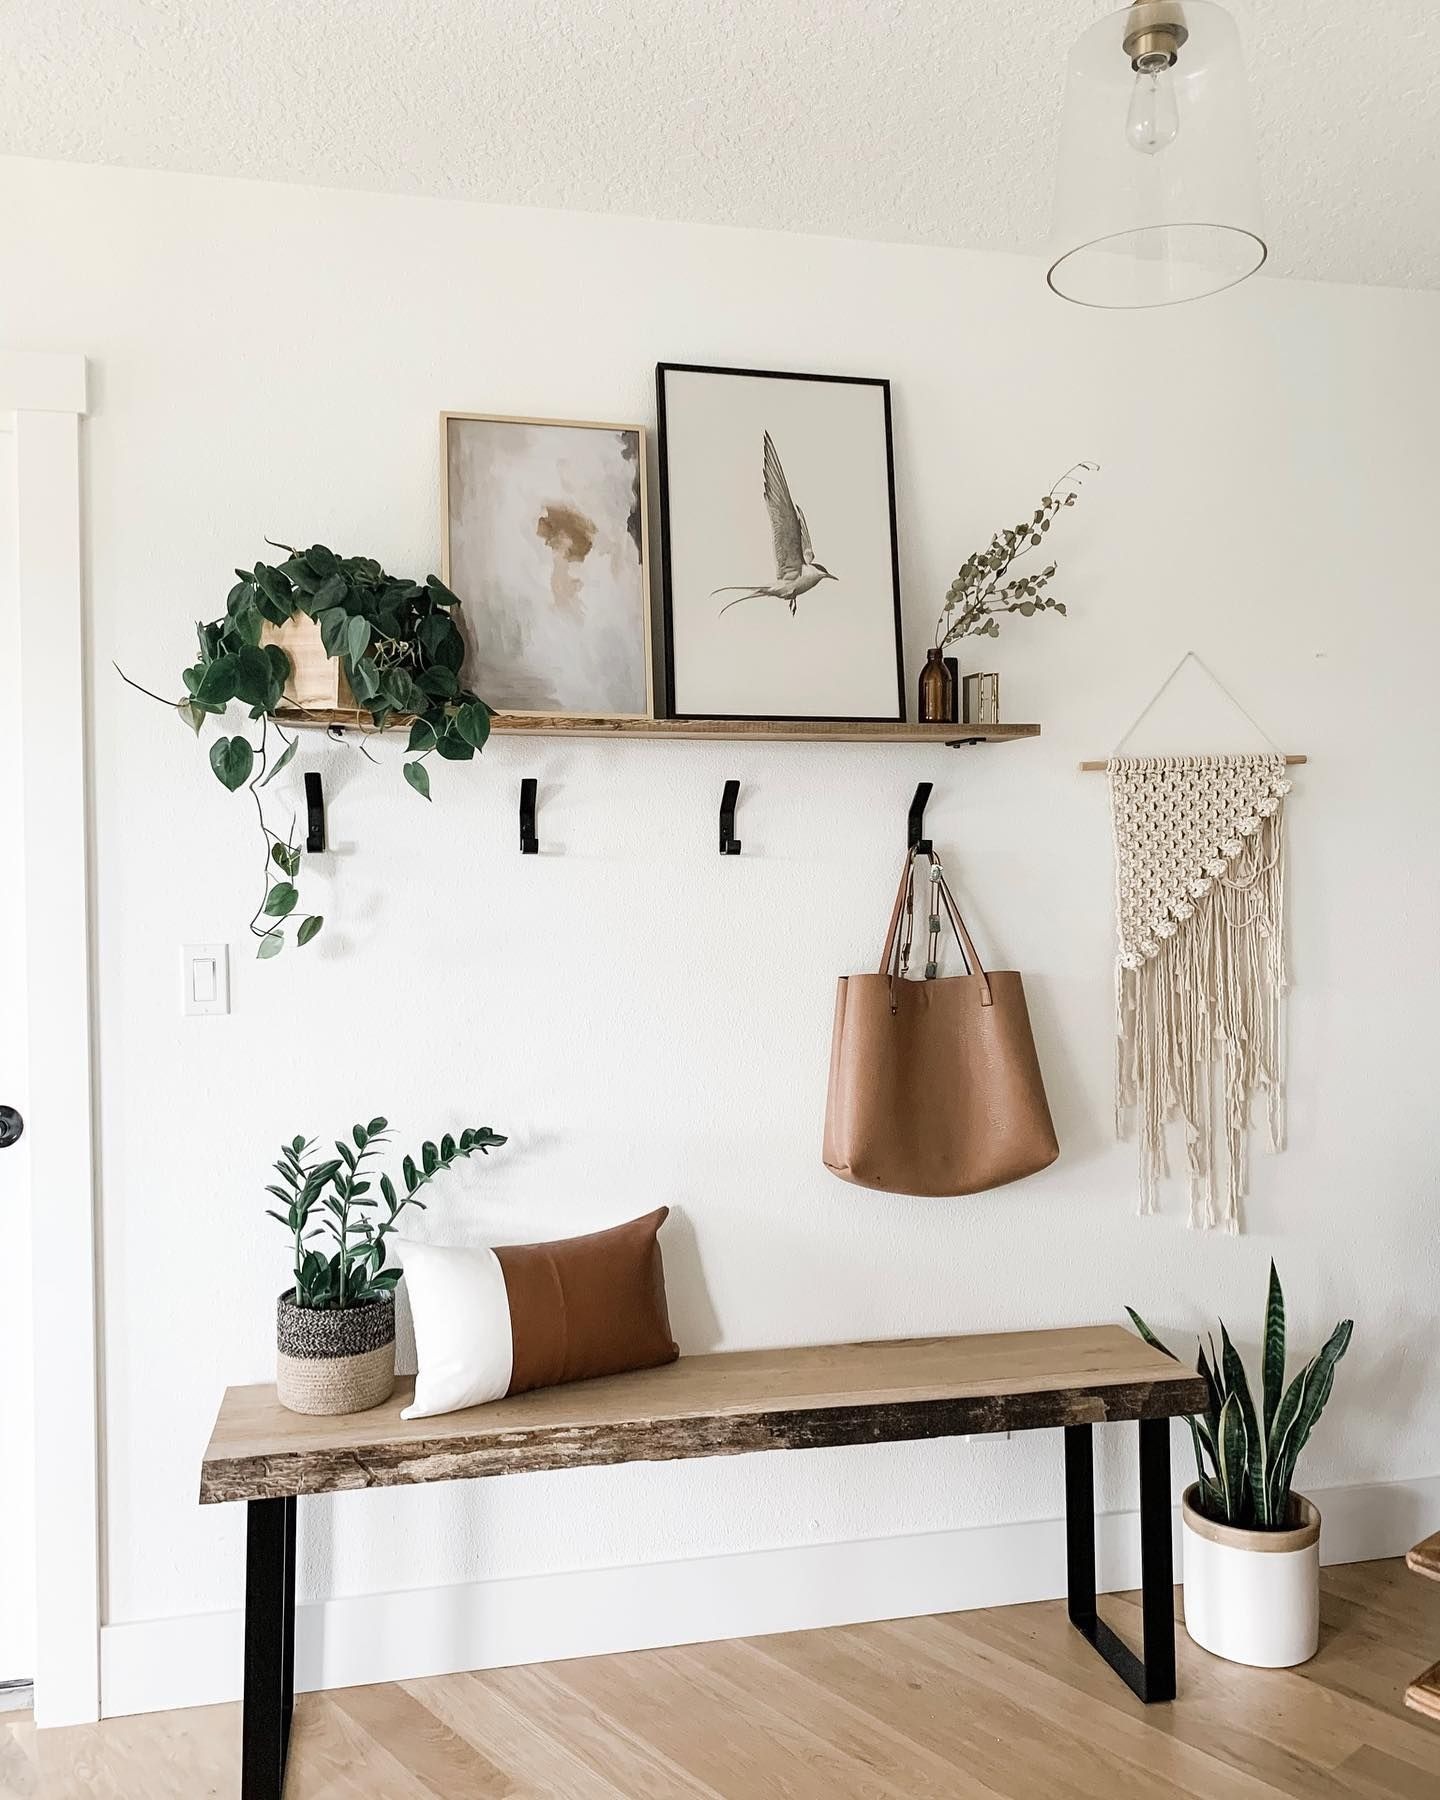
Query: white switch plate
x=205 y=978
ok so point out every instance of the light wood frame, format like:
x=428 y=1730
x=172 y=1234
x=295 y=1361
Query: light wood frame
x=46 y=393
x=579 y=425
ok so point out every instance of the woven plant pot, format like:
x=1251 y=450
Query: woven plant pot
x=331 y=1362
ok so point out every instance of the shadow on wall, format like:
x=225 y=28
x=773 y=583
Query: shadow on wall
x=1074 y=1117
x=693 y=1320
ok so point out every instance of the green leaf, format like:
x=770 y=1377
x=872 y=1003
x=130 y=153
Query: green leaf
x=364 y=679
x=422 y=736
x=377 y=1125
x=1272 y=1354
x=402 y=693
x=217 y=683
x=281 y=762
x=1233 y=1484
x=1256 y=1451
x=453 y=747
x=331 y=595
x=357 y=638
x=473 y=723
x=232 y=760
x=429 y=1158
x=1148 y=1335
x=441 y=594
x=435 y=631
x=1311 y=1404
x=280 y=901
x=360 y=1135
x=193 y=715
x=286 y=858
x=439 y=682
x=334 y=624
x=309 y=928
x=321 y=560
x=419 y=778
x=254 y=678
x=270 y=945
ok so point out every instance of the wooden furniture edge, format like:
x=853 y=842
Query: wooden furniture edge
x=778 y=731
x=1424 y=1559
x=412 y=1461
x=1423 y=1693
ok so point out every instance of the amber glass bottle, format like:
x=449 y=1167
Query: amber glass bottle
x=937 y=691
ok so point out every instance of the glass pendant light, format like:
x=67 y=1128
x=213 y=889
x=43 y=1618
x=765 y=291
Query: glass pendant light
x=1157 y=196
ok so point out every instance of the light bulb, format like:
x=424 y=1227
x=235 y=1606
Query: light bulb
x=1153 y=121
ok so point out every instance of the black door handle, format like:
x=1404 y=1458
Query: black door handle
x=11 y=1126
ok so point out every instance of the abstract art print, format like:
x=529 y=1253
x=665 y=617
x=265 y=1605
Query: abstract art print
x=781 y=579
x=545 y=545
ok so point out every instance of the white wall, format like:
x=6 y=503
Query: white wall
x=647 y=1021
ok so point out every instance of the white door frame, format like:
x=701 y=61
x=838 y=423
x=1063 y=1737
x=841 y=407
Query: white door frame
x=46 y=394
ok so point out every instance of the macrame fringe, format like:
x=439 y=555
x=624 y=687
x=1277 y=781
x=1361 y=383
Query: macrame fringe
x=1200 y=1008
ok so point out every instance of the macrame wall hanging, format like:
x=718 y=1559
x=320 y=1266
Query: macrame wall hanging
x=1200 y=960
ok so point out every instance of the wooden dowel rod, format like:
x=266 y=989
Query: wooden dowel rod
x=1098 y=768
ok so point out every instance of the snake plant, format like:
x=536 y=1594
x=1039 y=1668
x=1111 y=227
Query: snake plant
x=1246 y=1458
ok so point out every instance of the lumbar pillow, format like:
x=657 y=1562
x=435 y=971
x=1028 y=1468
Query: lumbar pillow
x=496 y=1322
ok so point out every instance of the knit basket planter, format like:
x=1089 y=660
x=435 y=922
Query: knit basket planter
x=334 y=1360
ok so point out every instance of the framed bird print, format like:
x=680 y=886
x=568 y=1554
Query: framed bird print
x=545 y=545
x=779 y=557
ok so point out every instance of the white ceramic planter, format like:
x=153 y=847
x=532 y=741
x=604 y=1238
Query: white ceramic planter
x=1253 y=1596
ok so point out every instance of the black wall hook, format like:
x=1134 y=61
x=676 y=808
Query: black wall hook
x=314 y=813
x=529 y=843
x=918 y=841
x=729 y=843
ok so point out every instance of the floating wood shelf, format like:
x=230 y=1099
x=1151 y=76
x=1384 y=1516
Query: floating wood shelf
x=777 y=731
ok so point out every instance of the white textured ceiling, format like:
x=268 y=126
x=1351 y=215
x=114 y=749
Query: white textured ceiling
x=901 y=119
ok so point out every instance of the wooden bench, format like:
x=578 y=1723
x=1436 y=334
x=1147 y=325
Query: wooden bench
x=721 y=1405
x=1423 y=1693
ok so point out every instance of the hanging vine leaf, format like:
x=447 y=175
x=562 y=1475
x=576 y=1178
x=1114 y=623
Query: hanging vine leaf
x=419 y=778
x=280 y=901
x=309 y=929
x=232 y=759
x=281 y=762
x=270 y=945
x=473 y=723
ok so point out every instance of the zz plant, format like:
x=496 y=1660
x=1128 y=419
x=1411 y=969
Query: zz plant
x=1245 y=1457
x=339 y=1222
x=401 y=652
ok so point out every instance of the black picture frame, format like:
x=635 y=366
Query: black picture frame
x=666 y=585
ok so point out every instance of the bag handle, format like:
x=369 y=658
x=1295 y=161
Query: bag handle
x=896 y=950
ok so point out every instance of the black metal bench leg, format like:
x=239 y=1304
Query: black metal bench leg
x=1152 y=1678
x=269 y=1648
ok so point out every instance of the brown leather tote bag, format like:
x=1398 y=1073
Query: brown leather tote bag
x=934 y=1084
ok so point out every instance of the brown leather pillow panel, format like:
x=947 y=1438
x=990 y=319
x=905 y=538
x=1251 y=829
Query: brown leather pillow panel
x=587 y=1306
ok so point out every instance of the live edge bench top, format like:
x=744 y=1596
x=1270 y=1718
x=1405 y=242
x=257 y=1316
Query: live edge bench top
x=718 y=1405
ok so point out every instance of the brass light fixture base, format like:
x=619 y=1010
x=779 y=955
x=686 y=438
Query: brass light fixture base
x=1154 y=35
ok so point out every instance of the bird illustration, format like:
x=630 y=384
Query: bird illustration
x=796 y=570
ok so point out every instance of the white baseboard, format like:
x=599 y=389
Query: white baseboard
x=196 y=1661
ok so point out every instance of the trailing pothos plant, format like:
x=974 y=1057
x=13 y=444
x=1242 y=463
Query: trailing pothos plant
x=337 y=1219
x=401 y=652
x=1246 y=1457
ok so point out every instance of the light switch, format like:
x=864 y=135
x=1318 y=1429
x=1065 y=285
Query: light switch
x=205 y=970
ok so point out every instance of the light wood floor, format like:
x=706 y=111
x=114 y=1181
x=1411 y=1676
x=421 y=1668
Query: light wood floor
x=1008 y=1702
